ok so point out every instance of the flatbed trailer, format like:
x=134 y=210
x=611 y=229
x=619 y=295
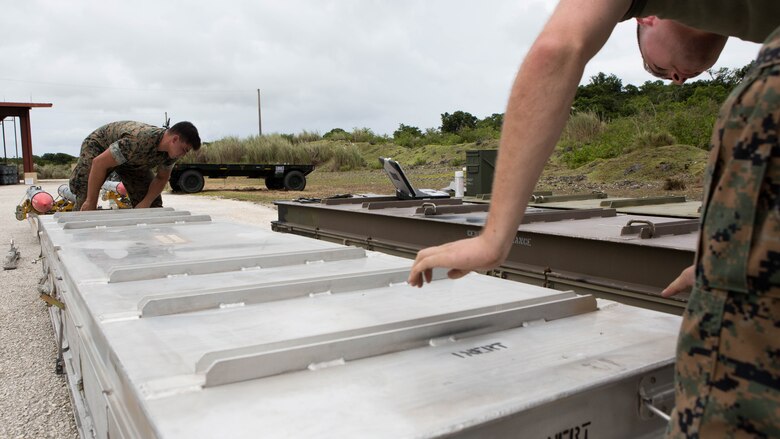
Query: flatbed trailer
x=189 y=177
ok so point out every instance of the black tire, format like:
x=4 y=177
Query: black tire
x=274 y=183
x=191 y=181
x=294 y=181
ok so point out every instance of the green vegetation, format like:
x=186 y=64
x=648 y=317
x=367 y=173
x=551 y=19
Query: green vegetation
x=48 y=166
x=608 y=120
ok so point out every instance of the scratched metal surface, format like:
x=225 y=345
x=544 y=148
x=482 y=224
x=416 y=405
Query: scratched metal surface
x=304 y=349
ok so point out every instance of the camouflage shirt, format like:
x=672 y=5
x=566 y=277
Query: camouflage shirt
x=740 y=242
x=133 y=144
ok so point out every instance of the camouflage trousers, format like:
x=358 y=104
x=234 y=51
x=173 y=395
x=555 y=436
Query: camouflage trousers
x=136 y=180
x=727 y=374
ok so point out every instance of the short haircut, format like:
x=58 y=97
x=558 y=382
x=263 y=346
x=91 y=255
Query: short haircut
x=188 y=133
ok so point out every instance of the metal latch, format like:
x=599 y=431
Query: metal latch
x=656 y=398
x=429 y=208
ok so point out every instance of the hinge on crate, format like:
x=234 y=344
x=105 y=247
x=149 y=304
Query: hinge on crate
x=656 y=398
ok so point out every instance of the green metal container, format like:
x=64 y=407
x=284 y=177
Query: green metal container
x=480 y=167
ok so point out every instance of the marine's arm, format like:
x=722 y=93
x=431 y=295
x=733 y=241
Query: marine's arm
x=97 y=176
x=155 y=187
x=536 y=113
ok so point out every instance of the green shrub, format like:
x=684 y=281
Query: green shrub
x=691 y=124
x=336 y=134
x=365 y=135
x=582 y=127
x=306 y=137
x=646 y=139
x=478 y=135
x=346 y=158
x=610 y=142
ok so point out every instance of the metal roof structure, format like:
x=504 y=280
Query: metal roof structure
x=22 y=111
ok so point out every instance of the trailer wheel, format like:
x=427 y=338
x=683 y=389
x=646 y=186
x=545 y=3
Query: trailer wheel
x=294 y=181
x=191 y=181
x=274 y=183
x=174 y=185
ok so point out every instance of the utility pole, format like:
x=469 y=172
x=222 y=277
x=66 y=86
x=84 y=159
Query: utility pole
x=259 y=116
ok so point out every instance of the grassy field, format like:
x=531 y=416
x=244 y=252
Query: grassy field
x=637 y=174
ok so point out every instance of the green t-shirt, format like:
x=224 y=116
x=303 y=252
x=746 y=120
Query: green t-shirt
x=750 y=20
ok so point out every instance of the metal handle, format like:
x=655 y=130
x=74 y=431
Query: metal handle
x=656 y=410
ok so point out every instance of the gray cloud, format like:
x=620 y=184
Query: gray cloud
x=319 y=64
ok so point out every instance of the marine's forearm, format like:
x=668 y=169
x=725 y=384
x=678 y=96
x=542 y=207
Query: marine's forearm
x=97 y=176
x=155 y=189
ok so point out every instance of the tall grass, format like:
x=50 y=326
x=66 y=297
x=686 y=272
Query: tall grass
x=347 y=157
x=277 y=148
x=582 y=127
x=47 y=172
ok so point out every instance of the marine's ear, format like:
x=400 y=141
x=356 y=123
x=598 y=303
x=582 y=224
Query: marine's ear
x=647 y=21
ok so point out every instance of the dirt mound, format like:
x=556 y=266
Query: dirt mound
x=673 y=169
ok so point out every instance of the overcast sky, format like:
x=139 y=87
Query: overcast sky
x=319 y=64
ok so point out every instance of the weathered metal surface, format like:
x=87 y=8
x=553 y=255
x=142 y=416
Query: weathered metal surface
x=647 y=201
x=541 y=199
x=334 y=347
x=580 y=249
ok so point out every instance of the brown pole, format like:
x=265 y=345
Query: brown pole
x=27 y=154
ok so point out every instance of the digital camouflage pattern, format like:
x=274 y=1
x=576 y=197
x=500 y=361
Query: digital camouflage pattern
x=728 y=354
x=134 y=146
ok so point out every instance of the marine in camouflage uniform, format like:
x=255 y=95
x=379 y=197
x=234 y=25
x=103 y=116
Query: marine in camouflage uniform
x=134 y=146
x=728 y=359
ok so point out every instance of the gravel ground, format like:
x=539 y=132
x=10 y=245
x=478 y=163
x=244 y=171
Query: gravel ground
x=34 y=401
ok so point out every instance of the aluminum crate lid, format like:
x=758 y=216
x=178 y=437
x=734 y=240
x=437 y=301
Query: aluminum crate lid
x=224 y=330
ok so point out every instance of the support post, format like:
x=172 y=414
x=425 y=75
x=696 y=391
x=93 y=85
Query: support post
x=259 y=116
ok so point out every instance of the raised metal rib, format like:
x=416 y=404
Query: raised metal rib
x=137 y=220
x=560 y=215
x=575 y=197
x=282 y=290
x=105 y=213
x=448 y=210
x=411 y=203
x=220 y=265
x=126 y=213
x=649 y=201
x=355 y=200
x=234 y=365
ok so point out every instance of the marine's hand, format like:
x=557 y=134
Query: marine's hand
x=460 y=257
x=143 y=204
x=88 y=205
x=683 y=282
